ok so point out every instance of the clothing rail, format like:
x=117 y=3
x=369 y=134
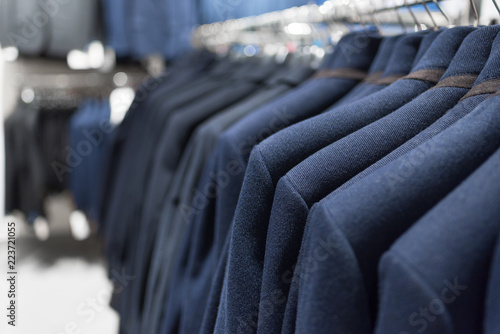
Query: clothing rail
x=269 y=27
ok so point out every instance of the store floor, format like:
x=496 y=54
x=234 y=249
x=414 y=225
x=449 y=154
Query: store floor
x=63 y=287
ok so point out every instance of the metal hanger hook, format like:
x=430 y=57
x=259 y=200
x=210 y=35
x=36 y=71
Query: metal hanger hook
x=375 y=20
x=430 y=14
x=419 y=28
x=400 y=20
x=476 y=16
x=442 y=11
x=496 y=6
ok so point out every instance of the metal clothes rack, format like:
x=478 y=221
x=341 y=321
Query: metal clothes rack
x=319 y=25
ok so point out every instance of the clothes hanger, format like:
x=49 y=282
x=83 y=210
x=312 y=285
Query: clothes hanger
x=400 y=21
x=476 y=16
x=430 y=15
x=496 y=6
x=376 y=22
x=447 y=18
x=268 y=31
x=417 y=24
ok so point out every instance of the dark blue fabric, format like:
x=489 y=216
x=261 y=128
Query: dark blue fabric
x=214 y=295
x=187 y=174
x=122 y=197
x=118 y=27
x=223 y=75
x=346 y=235
x=324 y=171
x=223 y=219
x=179 y=75
x=77 y=180
x=90 y=127
x=148 y=26
x=173 y=140
x=403 y=44
x=145 y=95
x=151 y=98
x=140 y=28
x=172 y=223
x=387 y=47
x=459 y=111
x=271 y=159
x=492 y=323
x=181 y=123
x=24 y=166
x=198 y=259
x=161 y=27
x=434 y=278
x=223 y=93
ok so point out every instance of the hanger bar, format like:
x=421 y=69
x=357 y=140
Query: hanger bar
x=339 y=15
x=302 y=14
x=397 y=7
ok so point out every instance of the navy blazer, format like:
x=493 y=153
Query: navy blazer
x=492 y=323
x=327 y=169
x=357 y=225
x=232 y=151
x=434 y=278
x=275 y=156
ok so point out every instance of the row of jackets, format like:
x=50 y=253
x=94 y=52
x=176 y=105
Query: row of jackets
x=53 y=148
x=32 y=143
x=252 y=197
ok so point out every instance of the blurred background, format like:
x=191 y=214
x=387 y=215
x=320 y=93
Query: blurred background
x=69 y=71
x=55 y=57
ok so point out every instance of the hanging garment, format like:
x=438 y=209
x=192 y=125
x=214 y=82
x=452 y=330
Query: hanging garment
x=462 y=229
x=24 y=172
x=270 y=160
x=52 y=138
x=316 y=86
x=177 y=133
x=117 y=25
x=127 y=164
x=235 y=144
x=255 y=77
x=195 y=154
x=388 y=209
x=378 y=76
x=296 y=192
x=229 y=91
x=124 y=162
x=176 y=79
x=481 y=89
x=246 y=197
x=91 y=133
x=412 y=40
x=491 y=323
